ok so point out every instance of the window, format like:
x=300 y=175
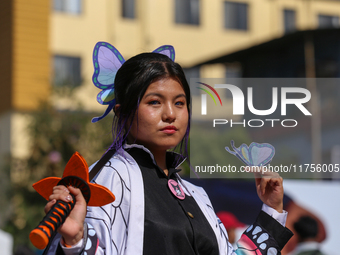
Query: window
x=233 y=74
x=235 y=15
x=187 y=12
x=129 y=9
x=289 y=20
x=233 y=71
x=68 y=6
x=327 y=21
x=66 y=71
x=193 y=72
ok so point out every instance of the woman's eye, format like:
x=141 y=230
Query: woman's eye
x=180 y=103
x=154 y=102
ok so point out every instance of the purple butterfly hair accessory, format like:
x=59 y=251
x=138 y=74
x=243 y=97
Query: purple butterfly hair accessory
x=106 y=61
x=257 y=154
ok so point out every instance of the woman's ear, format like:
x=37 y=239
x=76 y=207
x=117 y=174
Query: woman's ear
x=116 y=109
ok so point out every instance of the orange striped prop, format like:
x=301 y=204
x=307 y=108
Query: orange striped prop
x=75 y=174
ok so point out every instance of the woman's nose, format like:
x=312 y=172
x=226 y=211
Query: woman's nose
x=169 y=114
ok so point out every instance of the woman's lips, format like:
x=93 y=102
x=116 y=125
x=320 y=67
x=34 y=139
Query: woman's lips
x=169 y=129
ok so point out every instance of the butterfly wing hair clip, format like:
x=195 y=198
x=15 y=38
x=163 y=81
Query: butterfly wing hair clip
x=256 y=154
x=106 y=61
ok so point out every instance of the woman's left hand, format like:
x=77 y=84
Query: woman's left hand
x=269 y=187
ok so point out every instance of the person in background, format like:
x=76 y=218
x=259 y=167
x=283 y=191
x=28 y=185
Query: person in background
x=306 y=229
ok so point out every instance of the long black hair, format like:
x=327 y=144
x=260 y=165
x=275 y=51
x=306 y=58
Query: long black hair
x=131 y=82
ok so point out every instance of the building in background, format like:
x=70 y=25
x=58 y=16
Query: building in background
x=48 y=44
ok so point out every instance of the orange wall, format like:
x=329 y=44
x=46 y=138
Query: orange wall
x=31 y=56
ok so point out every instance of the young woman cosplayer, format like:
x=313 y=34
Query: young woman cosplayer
x=152 y=116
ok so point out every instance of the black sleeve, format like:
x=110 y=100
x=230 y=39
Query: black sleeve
x=265 y=236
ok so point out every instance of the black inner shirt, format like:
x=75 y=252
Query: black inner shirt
x=172 y=226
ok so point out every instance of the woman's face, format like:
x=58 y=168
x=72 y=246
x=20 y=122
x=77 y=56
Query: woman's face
x=162 y=116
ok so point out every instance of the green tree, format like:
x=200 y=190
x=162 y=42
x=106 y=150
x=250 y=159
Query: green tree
x=55 y=136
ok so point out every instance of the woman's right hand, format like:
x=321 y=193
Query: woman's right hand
x=72 y=230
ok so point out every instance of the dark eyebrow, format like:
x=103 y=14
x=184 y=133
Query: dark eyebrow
x=160 y=95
